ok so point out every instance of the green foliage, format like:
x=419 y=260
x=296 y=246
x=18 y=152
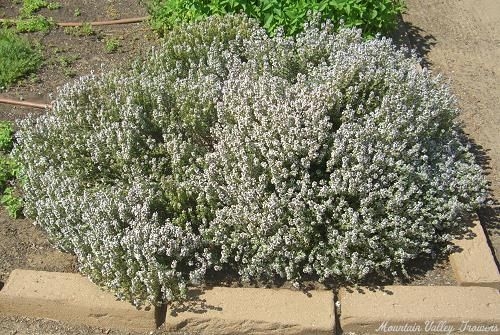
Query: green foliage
x=9 y=171
x=7 y=168
x=5 y=137
x=54 y=5
x=12 y=202
x=32 y=24
x=65 y=62
x=80 y=31
x=32 y=6
x=111 y=44
x=17 y=57
x=372 y=16
x=27 y=21
x=87 y=30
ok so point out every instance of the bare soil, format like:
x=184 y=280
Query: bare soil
x=69 y=56
x=458 y=38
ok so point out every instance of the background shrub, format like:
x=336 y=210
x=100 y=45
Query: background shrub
x=321 y=154
x=17 y=57
x=372 y=16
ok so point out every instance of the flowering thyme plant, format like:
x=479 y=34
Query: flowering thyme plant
x=321 y=154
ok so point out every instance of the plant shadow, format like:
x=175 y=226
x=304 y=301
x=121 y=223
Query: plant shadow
x=414 y=39
x=489 y=213
x=194 y=303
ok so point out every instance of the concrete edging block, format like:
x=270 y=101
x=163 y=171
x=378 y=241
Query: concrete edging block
x=474 y=264
x=72 y=298
x=420 y=309
x=232 y=311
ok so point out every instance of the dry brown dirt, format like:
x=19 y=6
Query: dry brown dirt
x=458 y=38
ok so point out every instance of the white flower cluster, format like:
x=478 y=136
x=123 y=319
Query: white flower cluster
x=321 y=154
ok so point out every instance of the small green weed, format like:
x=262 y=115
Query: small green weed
x=17 y=57
x=111 y=44
x=32 y=6
x=77 y=12
x=87 y=29
x=7 y=170
x=27 y=20
x=33 y=24
x=80 y=31
x=65 y=62
x=12 y=202
x=54 y=5
x=5 y=137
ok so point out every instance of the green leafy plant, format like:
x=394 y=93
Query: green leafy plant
x=5 y=137
x=27 y=20
x=9 y=169
x=77 y=12
x=54 y=5
x=65 y=63
x=80 y=31
x=33 y=24
x=111 y=44
x=66 y=60
x=321 y=154
x=18 y=57
x=12 y=202
x=29 y=7
x=32 y=6
x=372 y=16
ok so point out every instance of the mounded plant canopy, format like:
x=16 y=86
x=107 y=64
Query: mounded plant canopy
x=322 y=154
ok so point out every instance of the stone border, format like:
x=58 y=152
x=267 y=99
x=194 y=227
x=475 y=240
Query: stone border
x=470 y=308
x=73 y=298
x=420 y=309
x=228 y=311
x=69 y=297
x=474 y=263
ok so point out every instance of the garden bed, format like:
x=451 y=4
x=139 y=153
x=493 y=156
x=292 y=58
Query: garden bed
x=68 y=56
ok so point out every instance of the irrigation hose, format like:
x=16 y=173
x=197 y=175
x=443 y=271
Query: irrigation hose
x=95 y=23
x=104 y=23
x=24 y=103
